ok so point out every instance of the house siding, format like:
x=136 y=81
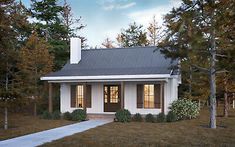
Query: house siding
x=130 y=98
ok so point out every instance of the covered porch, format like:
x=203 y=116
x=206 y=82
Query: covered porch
x=106 y=97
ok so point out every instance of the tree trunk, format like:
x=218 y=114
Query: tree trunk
x=212 y=71
x=35 y=108
x=6 y=118
x=212 y=101
x=225 y=99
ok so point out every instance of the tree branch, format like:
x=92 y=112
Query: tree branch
x=200 y=68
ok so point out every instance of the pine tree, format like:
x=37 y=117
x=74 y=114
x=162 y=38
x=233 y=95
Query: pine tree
x=13 y=31
x=133 y=36
x=194 y=35
x=35 y=61
x=154 y=32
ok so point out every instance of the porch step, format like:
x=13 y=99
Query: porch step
x=101 y=116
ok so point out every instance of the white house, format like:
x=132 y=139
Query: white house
x=103 y=81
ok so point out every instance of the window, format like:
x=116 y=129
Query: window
x=113 y=94
x=79 y=96
x=148 y=96
x=106 y=94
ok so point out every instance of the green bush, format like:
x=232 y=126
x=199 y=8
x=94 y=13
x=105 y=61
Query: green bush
x=55 y=115
x=161 y=117
x=185 y=109
x=171 y=117
x=67 y=116
x=123 y=115
x=79 y=115
x=46 y=115
x=150 y=118
x=137 y=117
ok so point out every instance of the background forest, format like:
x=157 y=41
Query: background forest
x=35 y=41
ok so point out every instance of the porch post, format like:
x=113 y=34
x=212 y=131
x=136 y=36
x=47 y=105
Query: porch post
x=50 y=99
x=122 y=94
x=162 y=97
x=84 y=96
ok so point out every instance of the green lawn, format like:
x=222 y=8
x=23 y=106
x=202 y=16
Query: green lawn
x=20 y=124
x=182 y=133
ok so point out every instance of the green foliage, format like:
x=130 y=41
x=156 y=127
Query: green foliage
x=79 y=115
x=171 y=117
x=133 y=36
x=150 y=118
x=67 y=116
x=161 y=117
x=55 y=115
x=137 y=117
x=123 y=115
x=185 y=109
x=46 y=115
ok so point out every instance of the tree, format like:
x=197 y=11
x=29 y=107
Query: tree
x=132 y=36
x=154 y=32
x=35 y=61
x=73 y=25
x=192 y=34
x=13 y=31
x=108 y=43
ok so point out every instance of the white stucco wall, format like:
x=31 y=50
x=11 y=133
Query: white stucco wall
x=130 y=100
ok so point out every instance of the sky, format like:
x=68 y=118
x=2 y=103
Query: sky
x=106 y=18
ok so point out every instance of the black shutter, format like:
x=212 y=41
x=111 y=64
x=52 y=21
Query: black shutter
x=157 y=96
x=73 y=95
x=140 y=95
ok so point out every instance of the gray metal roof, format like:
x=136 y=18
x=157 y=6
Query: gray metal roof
x=118 y=61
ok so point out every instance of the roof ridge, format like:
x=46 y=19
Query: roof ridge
x=136 y=47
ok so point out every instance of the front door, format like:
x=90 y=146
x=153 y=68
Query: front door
x=112 y=98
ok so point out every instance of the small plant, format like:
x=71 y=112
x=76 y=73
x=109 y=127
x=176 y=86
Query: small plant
x=171 y=117
x=161 y=117
x=55 y=115
x=123 y=115
x=46 y=115
x=67 y=116
x=185 y=109
x=79 y=115
x=137 y=117
x=150 y=118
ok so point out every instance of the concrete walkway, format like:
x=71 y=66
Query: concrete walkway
x=40 y=138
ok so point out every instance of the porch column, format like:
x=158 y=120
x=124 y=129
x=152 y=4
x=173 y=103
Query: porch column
x=162 y=97
x=50 y=106
x=122 y=94
x=84 y=96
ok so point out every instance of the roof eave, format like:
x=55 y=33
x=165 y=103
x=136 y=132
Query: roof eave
x=106 y=77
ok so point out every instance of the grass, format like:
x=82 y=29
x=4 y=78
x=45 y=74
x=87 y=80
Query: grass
x=182 y=133
x=20 y=124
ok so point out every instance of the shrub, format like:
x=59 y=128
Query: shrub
x=123 y=115
x=161 y=117
x=171 y=117
x=79 y=115
x=185 y=109
x=137 y=117
x=46 y=115
x=55 y=115
x=150 y=118
x=67 y=116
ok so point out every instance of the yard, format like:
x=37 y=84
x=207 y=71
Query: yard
x=183 y=133
x=20 y=124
